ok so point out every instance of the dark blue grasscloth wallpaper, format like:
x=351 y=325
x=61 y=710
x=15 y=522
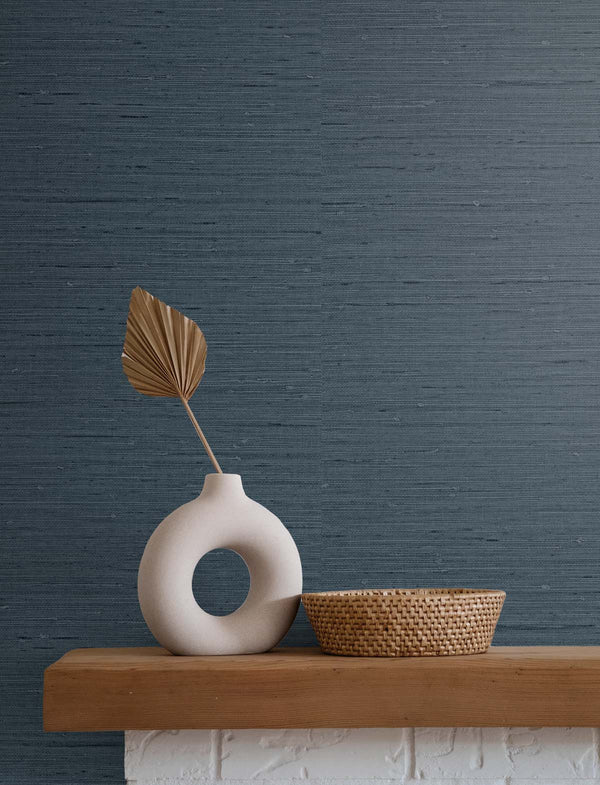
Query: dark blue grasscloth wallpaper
x=384 y=216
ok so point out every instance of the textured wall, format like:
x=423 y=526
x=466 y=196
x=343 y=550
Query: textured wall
x=384 y=215
x=364 y=756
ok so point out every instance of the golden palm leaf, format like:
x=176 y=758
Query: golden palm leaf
x=164 y=353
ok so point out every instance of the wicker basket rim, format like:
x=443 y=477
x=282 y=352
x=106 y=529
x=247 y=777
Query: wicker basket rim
x=424 y=592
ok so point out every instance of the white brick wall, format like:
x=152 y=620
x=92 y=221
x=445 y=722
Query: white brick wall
x=367 y=756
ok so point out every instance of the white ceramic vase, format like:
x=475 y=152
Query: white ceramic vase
x=221 y=517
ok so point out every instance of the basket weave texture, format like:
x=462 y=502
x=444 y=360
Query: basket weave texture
x=404 y=622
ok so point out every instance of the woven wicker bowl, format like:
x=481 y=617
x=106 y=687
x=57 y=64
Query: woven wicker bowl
x=404 y=622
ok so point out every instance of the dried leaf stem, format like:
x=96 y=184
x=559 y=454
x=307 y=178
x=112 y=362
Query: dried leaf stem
x=164 y=354
x=210 y=453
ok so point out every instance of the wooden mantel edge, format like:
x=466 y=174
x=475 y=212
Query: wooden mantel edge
x=148 y=688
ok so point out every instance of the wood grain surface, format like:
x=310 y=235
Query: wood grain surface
x=137 y=688
x=384 y=217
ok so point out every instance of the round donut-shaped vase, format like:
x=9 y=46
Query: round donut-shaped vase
x=221 y=517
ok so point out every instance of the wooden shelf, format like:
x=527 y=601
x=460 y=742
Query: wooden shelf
x=148 y=688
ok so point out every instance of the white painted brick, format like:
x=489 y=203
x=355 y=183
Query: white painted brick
x=491 y=753
x=388 y=756
x=309 y=754
x=176 y=756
